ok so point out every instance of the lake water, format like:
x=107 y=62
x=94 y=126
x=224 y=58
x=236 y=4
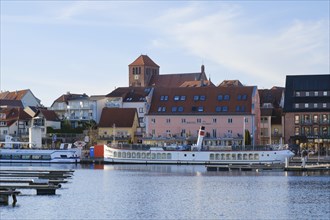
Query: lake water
x=175 y=192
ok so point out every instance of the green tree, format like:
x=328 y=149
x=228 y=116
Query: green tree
x=247 y=137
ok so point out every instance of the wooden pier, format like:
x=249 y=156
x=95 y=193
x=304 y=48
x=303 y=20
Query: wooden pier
x=45 y=182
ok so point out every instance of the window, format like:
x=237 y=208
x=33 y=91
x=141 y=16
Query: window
x=230 y=120
x=180 y=109
x=214 y=133
x=168 y=120
x=200 y=108
x=316 y=93
x=199 y=120
x=315 y=118
x=296 y=105
x=244 y=97
x=227 y=97
x=218 y=108
x=159 y=109
x=297 y=94
x=225 y=108
x=325 y=93
x=214 y=120
x=153 y=120
x=315 y=105
x=196 y=98
x=324 y=105
x=182 y=98
x=238 y=108
x=183 y=120
x=239 y=97
x=163 y=98
x=307 y=93
x=202 y=98
x=296 y=119
x=176 y=98
x=174 y=109
x=296 y=131
x=141 y=110
x=306 y=105
x=220 y=98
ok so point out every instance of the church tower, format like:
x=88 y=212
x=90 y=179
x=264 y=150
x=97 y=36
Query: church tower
x=141 y=71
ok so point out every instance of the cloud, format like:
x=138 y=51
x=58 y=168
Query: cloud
x=228 y=37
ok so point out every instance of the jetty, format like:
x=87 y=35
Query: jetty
x=45 y=182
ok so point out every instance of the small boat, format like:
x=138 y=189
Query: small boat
x=194 y=155
x=22 y=152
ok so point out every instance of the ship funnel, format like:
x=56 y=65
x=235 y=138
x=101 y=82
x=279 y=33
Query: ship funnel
x=201 y=134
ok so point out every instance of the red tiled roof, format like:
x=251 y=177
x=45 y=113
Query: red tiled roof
x=197 y=83
x=121 y=117
x=17 y=95
x=190 y=106
x=230 y=83
x=15 y=114
x=175 y=80
x=144 y=60
x=272 y=96
x=49 y=115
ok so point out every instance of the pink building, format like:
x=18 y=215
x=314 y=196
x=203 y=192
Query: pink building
x=176 y=114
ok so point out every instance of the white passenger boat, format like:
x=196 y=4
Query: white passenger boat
x=195 y=155
x=22 y=152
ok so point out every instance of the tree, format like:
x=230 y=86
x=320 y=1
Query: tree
x=247 y=137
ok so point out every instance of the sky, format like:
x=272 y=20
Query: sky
x=55 y=47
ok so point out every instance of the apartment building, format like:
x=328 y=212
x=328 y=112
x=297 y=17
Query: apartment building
x=307 y=112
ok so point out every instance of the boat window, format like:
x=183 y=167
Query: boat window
x=138 y=155
x=123 y=155
x=128 y=154
x=239 y=157
x=45 y=157
x=115 y=154
x=5 y=156
x=159 y=156
x=227 y=156
x=250 y=156
x=169 y=156
x=133 y=155
x=245 y=156
x=119 y=154
x=26 y=157
x=163 y=156
x=143 y=155
x=153 y=156
x=37 y=157
x=148 y=155
x=217 y=156
x=233 y=156
x=211 y=156
x=16 y=157
x=62 y=156
x=222 y=156
x=256 y=156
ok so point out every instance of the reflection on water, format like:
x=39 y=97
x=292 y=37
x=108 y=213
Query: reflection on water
x=177 y=192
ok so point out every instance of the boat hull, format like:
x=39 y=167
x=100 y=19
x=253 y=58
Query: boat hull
x=39 y=156
x=113 y=155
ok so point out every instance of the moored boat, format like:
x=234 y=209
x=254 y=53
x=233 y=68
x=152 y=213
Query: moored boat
x=194 y=155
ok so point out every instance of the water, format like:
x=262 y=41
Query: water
x=176 y=192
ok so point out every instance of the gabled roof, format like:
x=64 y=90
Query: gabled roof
x=68 y=97
x=144 y=60
x=273 y=96
x=120 y=117
x=132 y=94
x=49 y=115
x=230 y=83
x=164 y=103
x=16 y=95
x=15 y=114
x=195 y=83
x=175 y=80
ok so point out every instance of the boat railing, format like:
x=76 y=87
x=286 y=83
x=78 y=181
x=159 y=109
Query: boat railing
x=132 y=146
